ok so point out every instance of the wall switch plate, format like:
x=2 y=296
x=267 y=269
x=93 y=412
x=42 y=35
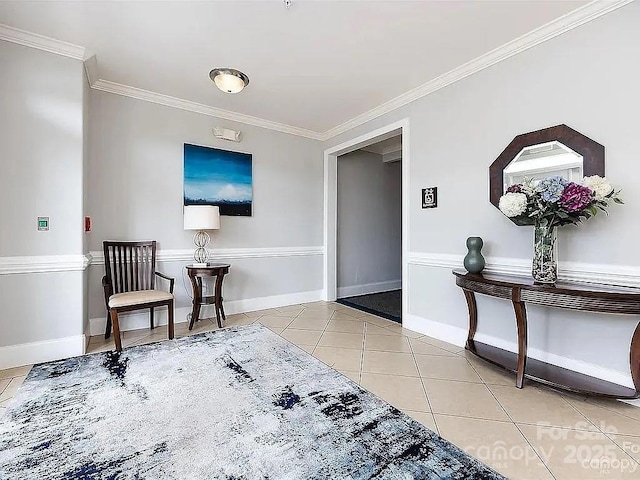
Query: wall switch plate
x=43 y=224
x=430 y=197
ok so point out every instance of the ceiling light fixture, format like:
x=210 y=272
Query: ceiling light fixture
x=229 y=80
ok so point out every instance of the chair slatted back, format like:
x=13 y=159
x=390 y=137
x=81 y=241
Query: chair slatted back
x=130 y=266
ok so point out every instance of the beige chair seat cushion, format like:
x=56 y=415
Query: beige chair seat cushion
x=137 y=298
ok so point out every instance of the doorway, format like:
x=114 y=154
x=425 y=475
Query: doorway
x=394 y=130
x=369 y=226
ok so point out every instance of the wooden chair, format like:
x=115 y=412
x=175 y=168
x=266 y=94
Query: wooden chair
x=129 y=284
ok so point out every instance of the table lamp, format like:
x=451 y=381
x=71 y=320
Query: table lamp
x=201 y=218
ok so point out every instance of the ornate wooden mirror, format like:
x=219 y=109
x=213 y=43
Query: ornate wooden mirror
x=555 y=151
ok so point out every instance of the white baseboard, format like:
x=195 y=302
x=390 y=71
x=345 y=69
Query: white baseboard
x=38 y=352
x=369 y=288
x=138 y=320
x=274 y=301
x=442 y=331
x=458 y=336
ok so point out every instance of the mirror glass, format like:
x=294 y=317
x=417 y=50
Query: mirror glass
x=543 y=160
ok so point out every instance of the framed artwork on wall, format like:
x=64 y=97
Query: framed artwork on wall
x=218 y=177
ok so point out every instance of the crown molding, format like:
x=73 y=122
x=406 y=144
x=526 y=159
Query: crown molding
x=40 y=42
x=574 y=19
x=91 y=69
x=169 y=101
x=567 y=22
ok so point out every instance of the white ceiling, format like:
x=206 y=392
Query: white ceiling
x=314 y=66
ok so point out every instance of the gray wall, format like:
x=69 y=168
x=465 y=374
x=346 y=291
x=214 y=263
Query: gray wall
x=135 y=193
x=41 y=170
x=40 y=151
x=587 y=78
x=369 y=249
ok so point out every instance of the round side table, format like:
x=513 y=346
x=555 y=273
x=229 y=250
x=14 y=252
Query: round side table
x=196 y=273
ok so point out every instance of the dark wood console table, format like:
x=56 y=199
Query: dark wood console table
x=195 y=275
x=569 y=295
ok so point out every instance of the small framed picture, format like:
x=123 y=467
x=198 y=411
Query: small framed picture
x=430 y=197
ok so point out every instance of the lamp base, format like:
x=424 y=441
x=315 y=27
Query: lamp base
x=199 y=264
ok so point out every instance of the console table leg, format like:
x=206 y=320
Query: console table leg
x=521 y=320
x=473 y=315
x=634 y=357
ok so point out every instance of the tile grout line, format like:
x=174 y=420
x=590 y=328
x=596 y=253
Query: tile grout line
x=299 y=346
x=320 y=338
x=605 y=434
x=513 y=422
x=424 y=388
x=364 y=343
x=511 y=419
x=608 y=436
x=611 y=409
x=562 y=397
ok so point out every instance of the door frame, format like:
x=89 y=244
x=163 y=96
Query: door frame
x=330 y=289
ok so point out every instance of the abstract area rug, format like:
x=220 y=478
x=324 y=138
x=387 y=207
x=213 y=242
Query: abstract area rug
x=238 y=403
x=384 y=304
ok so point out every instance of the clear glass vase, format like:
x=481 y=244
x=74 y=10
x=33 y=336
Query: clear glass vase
x=545 y=254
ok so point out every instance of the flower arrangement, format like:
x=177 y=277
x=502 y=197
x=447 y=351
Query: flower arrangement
x=550 y=203
x=556 y=202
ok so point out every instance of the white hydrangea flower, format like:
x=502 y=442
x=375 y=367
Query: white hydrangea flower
x=513 y=204
x=598 y=185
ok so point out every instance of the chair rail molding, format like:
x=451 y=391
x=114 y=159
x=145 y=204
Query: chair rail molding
x=183 y=255
x=74 y=263
x=44 y=264
x=628 y=276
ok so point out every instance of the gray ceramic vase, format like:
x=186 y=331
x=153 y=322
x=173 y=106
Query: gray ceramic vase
x=474 y=261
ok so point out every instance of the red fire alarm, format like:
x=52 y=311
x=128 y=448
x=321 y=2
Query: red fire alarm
x=87 y=224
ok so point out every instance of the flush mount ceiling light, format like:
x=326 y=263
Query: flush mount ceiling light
x=229 y=80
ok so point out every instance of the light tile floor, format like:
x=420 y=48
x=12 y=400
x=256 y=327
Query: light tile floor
x=533 y=433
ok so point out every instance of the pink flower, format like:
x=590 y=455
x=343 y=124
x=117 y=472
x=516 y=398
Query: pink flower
x=575 y=197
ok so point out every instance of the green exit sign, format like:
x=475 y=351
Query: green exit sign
x=43 y=223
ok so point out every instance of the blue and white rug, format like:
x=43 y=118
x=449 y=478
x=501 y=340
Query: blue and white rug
x=238 y=403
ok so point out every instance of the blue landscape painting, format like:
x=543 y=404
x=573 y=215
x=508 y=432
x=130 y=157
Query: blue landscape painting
x=218 y=177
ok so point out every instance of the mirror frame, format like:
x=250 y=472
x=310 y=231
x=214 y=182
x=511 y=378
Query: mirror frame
x=592 y=155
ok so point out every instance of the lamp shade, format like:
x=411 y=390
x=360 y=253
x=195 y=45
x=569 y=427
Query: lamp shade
x=201 y=217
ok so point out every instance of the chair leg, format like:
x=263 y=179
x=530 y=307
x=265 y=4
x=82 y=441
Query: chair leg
x=151 y=318
x=116 y=329
x=107 y=332
x=171 y=330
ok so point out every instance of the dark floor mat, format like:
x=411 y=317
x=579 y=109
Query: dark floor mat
x=385 y=304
